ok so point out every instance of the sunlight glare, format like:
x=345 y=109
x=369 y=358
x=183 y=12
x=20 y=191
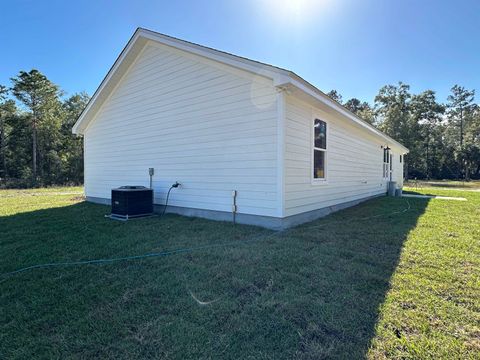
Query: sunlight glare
x=298 y=11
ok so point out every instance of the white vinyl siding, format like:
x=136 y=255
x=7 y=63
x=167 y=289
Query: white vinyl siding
x=209 y=126
x=355 y=160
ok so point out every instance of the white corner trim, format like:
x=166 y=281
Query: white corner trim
x=281 y=127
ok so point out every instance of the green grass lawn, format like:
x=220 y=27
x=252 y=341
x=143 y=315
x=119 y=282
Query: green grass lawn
x=390 y=278
x=446 y=184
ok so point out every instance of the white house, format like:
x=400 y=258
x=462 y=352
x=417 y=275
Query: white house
x=220 y=125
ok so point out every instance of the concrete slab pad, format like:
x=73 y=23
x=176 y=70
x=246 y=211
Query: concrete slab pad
x=434 y=197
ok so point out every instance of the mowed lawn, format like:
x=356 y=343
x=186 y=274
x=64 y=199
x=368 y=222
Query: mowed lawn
x=391 y=278
x=445 y=184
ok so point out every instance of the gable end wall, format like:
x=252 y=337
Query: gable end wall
x=209 y=126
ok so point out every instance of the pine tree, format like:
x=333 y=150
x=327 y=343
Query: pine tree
x=461 y=109
x=7 y=109
x=40 y=96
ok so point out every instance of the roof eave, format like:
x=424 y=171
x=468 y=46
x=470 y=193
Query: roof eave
x=280 y=77
x=303 y=85
x=144 y=35
x=86 y=115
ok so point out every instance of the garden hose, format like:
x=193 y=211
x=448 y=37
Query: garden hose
x=5 y=276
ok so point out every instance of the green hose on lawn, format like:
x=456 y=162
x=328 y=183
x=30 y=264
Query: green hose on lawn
x=5 y=276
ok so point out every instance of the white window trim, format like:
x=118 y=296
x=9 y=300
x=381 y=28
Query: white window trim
x=387 y=168
x=316 y=181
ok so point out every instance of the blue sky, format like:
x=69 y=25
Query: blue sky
x=349 y=45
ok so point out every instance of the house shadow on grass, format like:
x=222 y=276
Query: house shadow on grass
x=352 y=257
x=311 y=292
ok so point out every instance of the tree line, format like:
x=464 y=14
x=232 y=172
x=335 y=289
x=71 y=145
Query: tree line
x=443 y=138
x=37 y=147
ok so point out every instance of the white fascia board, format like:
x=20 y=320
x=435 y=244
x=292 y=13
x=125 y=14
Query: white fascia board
x=82 y=122
x=281 y=78
x=212 y=54
x=251 y=66
x=309 y=89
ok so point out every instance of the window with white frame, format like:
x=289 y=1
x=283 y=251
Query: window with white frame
x=386 y=162
x=319 y=149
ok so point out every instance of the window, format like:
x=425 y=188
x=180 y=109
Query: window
x=400 y=158
x=319 y=149
x=386 y=162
